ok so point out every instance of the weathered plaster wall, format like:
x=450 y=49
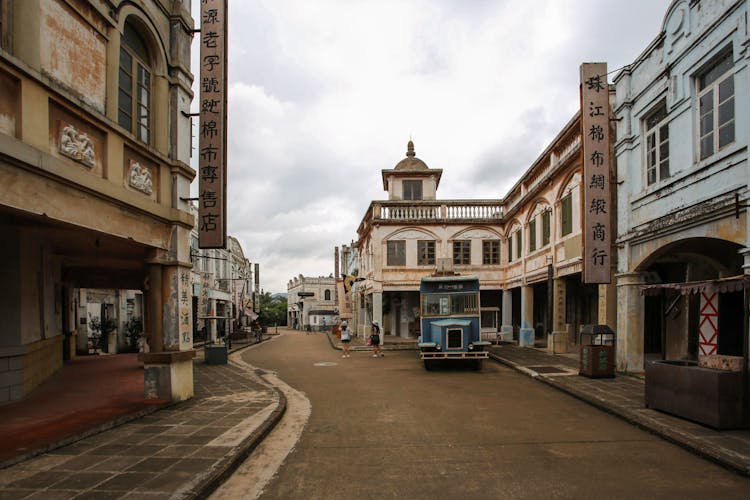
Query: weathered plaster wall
x=73 y=52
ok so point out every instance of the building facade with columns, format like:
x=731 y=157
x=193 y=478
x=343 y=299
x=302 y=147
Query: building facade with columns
x=222 y=296
x=526 y=250
x=94 y=156
x=410 y=235
x=682 y=112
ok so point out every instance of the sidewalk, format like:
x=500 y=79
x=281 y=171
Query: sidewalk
x=182 y=451
x=359 y=343
x=624 y=397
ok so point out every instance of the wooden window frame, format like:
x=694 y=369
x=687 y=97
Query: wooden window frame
x=462 y=252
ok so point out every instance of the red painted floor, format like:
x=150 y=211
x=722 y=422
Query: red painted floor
x=87 y=392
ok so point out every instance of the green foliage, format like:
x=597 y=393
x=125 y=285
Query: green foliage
x=133 y=330
x=272 y=310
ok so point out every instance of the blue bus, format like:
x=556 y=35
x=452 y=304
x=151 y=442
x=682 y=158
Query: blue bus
x=450 y=319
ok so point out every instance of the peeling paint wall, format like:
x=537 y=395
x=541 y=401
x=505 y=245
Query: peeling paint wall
x=73 y=52
x=9 y=103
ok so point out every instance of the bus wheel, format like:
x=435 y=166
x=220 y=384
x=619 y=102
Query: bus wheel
x=478 y=365
x=428 y=365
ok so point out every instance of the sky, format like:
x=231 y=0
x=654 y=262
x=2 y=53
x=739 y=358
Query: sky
x=325 y=94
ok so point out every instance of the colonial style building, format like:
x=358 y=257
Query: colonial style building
x=409 y=235
x=682 y=162
x=526 y=249
x=222 y=298
x=94 y=159
x=311 y=303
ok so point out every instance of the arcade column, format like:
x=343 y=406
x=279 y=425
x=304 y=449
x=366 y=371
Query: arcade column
x=168 y=366
x=526 y=333
x=377 y=315
x=506 y=329
x=629 y=331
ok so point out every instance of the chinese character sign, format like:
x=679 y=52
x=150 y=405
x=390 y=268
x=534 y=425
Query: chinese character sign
x=597 y=199
x=212 y=168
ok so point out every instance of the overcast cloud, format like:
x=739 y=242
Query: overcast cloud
x=325 y=94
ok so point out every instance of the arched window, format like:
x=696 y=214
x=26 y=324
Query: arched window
x=327 y=295
x=134 y=84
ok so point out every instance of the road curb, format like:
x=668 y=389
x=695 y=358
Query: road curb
x=230 y=463
x=667 y=433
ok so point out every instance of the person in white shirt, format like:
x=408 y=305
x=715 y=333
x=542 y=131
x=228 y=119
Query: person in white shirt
x=346 y=338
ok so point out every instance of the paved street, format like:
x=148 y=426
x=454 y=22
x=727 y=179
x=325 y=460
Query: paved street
x=386 y=428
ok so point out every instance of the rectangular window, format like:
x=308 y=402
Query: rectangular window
x=491 y=252
x=510 y=248
x=412 y=190
x=519 y=244
x=657 y=146
x=716 y=106
x=546 y=227
x=532 y=235
x=426 y=253
x=125 y=91
x=397 y=253
x=566 y=217
x=462 y=252
x=143 y=103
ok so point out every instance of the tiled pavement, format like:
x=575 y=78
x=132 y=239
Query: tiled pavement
x=183 y=451
x=186 y=450
x=624 y=396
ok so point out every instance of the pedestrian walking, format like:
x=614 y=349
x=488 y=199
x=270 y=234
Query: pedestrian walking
x=346 y=338
x=375 y=340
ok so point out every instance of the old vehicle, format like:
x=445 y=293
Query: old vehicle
x=450 y=318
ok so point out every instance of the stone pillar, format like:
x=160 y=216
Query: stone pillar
x=154 y=309
x=559 y=341
x=506 y=329
x=377 y=314
x=629 y=350
x=211 y=323
x=526 y=334
x=168 y=367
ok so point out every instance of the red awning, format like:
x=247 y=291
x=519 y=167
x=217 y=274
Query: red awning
x=722 y=285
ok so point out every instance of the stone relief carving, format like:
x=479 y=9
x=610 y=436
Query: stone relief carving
x=476 y=234
x=140 y=178
x=411 y=235
x=77 y=146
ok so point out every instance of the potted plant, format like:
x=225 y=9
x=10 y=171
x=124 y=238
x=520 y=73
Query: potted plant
x=133 y=332
x=101 y=330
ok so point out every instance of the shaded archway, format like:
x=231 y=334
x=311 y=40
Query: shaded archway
x=672 y=320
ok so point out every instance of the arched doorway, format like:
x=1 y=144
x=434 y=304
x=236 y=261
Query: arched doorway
x=676 y=323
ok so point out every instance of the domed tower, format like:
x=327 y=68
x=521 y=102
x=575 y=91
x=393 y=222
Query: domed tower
x=411 y=178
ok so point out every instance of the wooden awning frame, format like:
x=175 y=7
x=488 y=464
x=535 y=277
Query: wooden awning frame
x=722 y=285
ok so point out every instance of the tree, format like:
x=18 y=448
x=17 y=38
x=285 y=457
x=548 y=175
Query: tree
x=272 y=309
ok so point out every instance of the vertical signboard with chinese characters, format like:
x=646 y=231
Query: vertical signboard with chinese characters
x=596 y=226
x=212 y=154
x=185 y=309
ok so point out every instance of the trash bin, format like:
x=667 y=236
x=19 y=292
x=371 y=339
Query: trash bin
x=597 y=351
x=215 y=354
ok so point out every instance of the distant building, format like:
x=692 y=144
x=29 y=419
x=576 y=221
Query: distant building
x=222 y=289
x=526 y=249
x=311 y=303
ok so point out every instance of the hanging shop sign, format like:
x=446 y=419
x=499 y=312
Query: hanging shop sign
x=597 y=199
x=212 y=150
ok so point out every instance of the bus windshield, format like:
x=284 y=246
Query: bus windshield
x=449 y=304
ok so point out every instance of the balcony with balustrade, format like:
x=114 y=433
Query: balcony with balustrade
x=433 y=212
